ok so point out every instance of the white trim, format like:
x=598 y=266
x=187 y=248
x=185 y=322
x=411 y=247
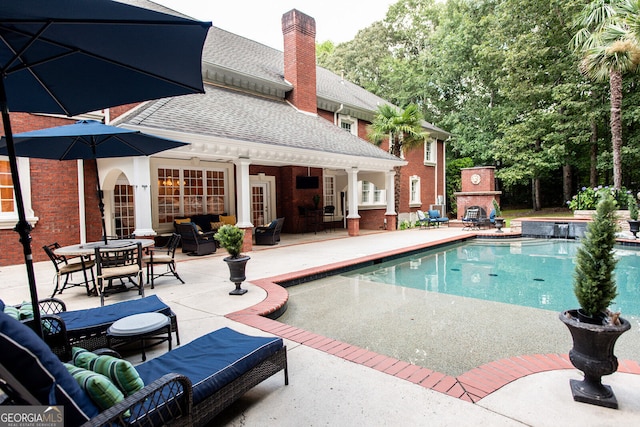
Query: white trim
x=8 y=220
x=352 y=121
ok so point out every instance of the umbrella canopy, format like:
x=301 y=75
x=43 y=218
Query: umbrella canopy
x=73 y=56
x=87 y=139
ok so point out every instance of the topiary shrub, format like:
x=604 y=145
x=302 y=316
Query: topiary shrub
x=594 y=282
x=231 y=238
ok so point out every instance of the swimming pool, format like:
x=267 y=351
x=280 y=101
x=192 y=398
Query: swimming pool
x=425 y=320
x=528 y=272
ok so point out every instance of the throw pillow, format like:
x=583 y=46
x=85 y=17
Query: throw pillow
x=182 y=220
x=216 y=225
x=121 y=372
x=229 y=219
x=12 y=311
x=97 y=386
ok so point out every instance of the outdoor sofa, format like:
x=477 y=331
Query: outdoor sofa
x=187 y=386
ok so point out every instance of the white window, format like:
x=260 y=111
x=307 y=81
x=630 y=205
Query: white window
x=184 y=192
x=430 y=151
x=8 y=209
x=348 y=123
x=414 y=188
x=371 y=195
x=329 y=189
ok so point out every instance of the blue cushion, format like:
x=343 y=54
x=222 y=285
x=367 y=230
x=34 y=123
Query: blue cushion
x=105 y=316
x=33 y=364
x=434 y=214
x=212 y=361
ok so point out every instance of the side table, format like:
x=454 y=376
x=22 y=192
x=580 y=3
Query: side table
x=143 y=327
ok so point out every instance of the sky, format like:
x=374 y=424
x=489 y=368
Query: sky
x=260 y=20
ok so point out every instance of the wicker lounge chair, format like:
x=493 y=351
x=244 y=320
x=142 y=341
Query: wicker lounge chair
x=187 y=386
x=88 y=328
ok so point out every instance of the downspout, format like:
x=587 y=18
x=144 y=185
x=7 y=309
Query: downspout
x=335 y=115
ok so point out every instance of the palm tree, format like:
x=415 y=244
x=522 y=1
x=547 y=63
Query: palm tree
x=404 y=130
x=609 y=50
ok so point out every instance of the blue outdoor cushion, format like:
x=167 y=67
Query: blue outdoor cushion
x=212 y=361
x=33 y=364
x=105 y=316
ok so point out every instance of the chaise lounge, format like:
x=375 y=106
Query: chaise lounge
x=187 y=386
x=88 y=328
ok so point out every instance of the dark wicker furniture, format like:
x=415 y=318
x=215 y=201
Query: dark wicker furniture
x=269 y=235
x=195 y=242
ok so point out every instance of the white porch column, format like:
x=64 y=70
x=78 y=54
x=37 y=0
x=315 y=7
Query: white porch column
x=391 y=216
x=353 y=218
x=391 y=193
x=243 y=189
x=142 y=196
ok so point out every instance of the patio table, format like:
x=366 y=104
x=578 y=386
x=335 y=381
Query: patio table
x=86 y=249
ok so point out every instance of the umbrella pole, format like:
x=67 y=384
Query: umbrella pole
x=100 y=195
x=22 y=227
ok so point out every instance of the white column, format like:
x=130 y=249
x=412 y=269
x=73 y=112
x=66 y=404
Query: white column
x=391 y=193
x=352 y=192
x=81 y=210
x=141 y=181
x=243 y=189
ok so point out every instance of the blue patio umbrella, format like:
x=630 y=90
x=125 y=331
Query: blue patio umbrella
x=73 y=56
x=87 y=139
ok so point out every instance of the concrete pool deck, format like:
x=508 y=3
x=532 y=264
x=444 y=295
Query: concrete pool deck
x=336 y=384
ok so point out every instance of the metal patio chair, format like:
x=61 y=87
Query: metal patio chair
x=162 y=255
x=66 y=267
x=119 y=263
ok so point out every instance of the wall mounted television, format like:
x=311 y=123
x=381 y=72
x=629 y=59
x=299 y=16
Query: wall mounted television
x=306 y=182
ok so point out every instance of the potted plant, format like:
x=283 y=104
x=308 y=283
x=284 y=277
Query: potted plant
x=593 y=327
x=634 y=224
x=499 y=221
x=316 y=201
x=232 y=238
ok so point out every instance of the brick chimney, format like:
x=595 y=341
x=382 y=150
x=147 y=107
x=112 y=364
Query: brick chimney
x=299 y=31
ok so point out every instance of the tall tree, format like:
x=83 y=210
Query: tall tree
x=609 y=50
x=404 y=130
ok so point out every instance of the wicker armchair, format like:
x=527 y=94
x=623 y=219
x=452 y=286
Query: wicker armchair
x=269 y=235
x=195 y=243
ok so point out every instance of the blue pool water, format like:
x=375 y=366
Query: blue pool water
x=527 y=272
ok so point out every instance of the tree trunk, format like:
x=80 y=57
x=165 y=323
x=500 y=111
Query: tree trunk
x=567 y=184
x=615 y=86
x=593 y=165
x=536 y=194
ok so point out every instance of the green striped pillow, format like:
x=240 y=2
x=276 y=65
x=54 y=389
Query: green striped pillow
x=120 y=371
x=97 y=386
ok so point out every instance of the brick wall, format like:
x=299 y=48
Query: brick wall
x=299 y=32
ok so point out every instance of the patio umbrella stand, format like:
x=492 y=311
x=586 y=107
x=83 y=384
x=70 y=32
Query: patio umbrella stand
x=74 y=56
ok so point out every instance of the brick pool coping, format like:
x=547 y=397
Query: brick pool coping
x=471 y=386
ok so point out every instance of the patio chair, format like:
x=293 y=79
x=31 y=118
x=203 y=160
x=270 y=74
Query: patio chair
x=65 y=268
x=223 y=365
x=330 y=212
x=119 y=263
x=422 y=219
x=162 y=255
x=435 y=219
x=195 y=242
x=471 y=218
x=269 y=235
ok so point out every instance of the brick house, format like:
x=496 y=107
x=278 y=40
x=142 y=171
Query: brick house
x=272 y=131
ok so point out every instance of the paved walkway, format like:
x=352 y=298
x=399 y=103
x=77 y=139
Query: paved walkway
x=336 y=384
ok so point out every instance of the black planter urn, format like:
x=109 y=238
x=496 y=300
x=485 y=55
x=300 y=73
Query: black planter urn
x=634 y=227
x=499 y=224
x=592 y=353
x=237 y=273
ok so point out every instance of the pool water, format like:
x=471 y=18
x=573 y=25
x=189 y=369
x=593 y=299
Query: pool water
x=527 y=272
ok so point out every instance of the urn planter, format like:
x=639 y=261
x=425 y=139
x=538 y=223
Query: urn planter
x=237 y=275
x=634 y=227
x=592 y=353
x=499 y=224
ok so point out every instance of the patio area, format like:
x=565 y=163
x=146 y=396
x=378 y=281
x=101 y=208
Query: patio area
x=330 y=386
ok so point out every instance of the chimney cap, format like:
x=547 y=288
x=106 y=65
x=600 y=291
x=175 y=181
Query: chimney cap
x=294 y=20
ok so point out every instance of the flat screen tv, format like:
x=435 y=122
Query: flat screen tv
x=306 y=182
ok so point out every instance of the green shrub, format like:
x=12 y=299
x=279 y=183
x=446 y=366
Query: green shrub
x=588 y=198
x=594 y=282
x=633 y=207
x=231 y=238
